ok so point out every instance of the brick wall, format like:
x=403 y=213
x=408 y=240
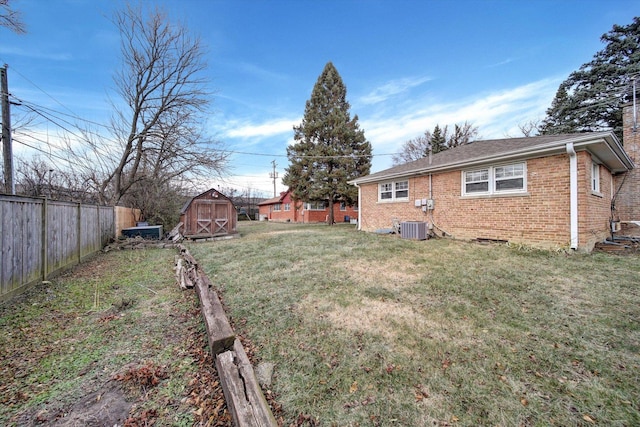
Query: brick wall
x=541 y=217
x=338 y=215
x=299 y=214
x=627 y=201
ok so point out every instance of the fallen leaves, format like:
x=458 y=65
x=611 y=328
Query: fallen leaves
x=421 y=392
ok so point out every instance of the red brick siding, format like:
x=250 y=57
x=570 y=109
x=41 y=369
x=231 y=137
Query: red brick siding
x=628 y=198
x=299 y=214
x=541 y=217
x=338 y=215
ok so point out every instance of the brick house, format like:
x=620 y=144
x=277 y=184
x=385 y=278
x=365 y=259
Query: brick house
x=627 y=198
x=284 y=209
x=546 y=191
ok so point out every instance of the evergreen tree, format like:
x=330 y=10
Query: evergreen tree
x=438 y=139
x=330 y=147
x=591 y=98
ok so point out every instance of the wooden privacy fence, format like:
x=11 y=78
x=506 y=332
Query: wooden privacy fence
x=39 y=237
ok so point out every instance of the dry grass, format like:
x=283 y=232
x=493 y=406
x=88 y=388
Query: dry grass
x=376 y=330
x=112 y=342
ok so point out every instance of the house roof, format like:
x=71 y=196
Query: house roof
x=603 y=145
x=274 y=200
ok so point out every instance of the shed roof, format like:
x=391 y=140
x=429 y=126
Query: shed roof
x=186 y=205
x=604 y=145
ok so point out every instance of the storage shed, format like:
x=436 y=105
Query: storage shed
x=210 y=214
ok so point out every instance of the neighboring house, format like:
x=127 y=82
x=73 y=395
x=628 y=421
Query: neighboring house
x=281 y=208
x=547 y=191
x=284 y=209
x=209 y=214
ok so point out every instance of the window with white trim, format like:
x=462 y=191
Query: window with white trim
x=502 y=179
x=287 y=207
x=276 y=207
x=595 y=177
x=316 y=206
x=391 y=191
x=343 y=206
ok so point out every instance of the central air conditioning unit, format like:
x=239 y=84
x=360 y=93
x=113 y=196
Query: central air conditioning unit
x=416 y=230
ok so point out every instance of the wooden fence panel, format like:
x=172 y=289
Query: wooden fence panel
x=39 y=237
x=20 y=243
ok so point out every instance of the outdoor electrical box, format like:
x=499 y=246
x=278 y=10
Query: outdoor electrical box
x=430 y=204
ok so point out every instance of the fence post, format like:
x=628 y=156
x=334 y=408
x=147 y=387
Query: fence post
x=79 y=232
x=45 y=267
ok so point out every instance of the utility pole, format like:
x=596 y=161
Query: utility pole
x=7 y=152
x=274 y=175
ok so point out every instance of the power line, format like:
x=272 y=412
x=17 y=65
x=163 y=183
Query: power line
x=42 y=90
x=48 y=154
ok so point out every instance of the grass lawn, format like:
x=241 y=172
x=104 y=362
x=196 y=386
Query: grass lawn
x=376 y=330
x=112 y=342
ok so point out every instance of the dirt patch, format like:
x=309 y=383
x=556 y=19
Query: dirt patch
x=106 y=407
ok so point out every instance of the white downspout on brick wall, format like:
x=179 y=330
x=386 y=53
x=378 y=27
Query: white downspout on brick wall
x=359 y=227
x=573 y=193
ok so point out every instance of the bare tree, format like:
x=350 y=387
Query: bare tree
x=157 y=132
x=438 y=140
x=413 y=149
x=36 y=177
x=462 y=134
x=10 y=18
x=530 y=128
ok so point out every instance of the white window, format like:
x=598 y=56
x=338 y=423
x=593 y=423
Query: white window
x=287 y=206
x=276 y=207
x=316 y=206
x=495 y=180
x=343 y=206
x=595 y=177
x=390 y=191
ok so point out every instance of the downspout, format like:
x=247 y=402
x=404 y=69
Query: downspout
x=573 y=193
x=359 y=226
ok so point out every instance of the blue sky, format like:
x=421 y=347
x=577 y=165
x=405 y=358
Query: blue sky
x=407 y=65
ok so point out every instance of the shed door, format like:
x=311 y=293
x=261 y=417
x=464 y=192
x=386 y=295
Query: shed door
x=222 y=218
x=203 y=221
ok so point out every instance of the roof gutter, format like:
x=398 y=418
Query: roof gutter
x=523 y=153
x=573 y=193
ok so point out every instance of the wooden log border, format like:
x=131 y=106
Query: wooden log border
x=242 y=393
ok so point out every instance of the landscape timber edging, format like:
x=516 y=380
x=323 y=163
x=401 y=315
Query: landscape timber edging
x=243 y=395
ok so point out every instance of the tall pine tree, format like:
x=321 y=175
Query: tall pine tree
x=591 y=98
x=330 y=147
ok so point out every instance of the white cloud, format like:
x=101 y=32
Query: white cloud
x=496 y=114
x=241 y=129
x=392 y=88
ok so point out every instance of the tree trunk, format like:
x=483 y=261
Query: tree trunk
x=330 y=219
